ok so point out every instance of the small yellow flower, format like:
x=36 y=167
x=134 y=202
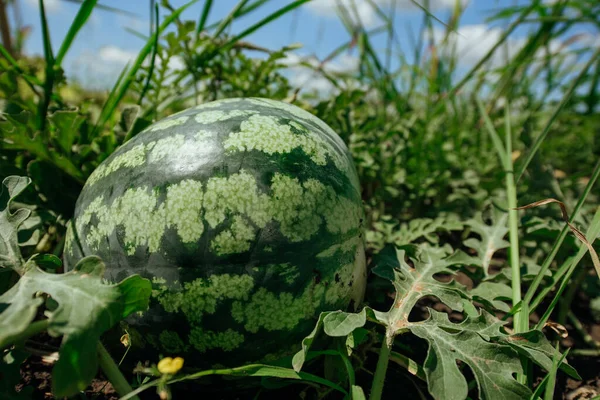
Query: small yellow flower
x=125 y=340
x=170 y=365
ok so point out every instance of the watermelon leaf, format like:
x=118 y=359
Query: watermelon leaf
x=492 y=237
x=533 y=344
x=357 y=393
x=65 y=128
x=10 y=254
x=494 y=294
x=479 y=341
x=86 y=308
x=491 y=355
x=339 y=323
x=425 y=228
x=20 y=134
x=335 y=323
x=411 y=284
x=492 y=364
x=357 y=337
x=300 y=357
x=385 y=231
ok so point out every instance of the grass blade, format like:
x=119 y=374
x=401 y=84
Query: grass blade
x=559 y=240
x=48 y=55
x=49 y=79
x=30 y=79
x=592 y=233
x=498 y=146
x=550 y=385
x=578 y=234
x=80 y=19
x=203 y=16
x=256 y=370
x=521 y=323
x=347 y=364
x=108 y=8
x=431 y=16
x=119 y=92
x=563 y=102
x=240 y=13
x=118 y=82
x=540 y=387
x=152 y=61
x=225 y=22
x=491 y=52
x=137 y=34
x=263 y=22
x=521 y=317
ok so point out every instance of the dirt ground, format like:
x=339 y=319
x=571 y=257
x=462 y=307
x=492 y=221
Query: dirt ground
x=36 y=373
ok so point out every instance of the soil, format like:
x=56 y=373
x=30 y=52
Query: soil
x=36 y=370
x=36 y=373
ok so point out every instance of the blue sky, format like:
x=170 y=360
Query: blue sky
x=104 y=46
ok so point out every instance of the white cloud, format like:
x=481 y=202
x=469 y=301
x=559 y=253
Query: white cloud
x=328 y=8
x=51 y=6
x=470 y=43
x=100 y=69
x=135 y=23
x=176 y=63
x=343 y=64
x=116 y=55
x=367 y=14
x=310 y=80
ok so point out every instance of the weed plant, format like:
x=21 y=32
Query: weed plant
x=446 y=156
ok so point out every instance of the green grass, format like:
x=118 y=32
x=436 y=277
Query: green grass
x=444 y=155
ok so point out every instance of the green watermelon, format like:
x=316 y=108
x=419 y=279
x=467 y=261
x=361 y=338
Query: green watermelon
x=246 y=214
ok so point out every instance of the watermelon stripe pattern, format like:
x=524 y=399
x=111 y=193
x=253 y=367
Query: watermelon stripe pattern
x=247 y=216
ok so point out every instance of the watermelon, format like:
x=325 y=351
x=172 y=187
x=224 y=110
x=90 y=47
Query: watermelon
x=246 y=214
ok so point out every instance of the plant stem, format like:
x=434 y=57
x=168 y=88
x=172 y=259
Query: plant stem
x=112 y=372
x=521 y=318
x=591 y=234
x=382 y=364
x=44 y=102
x=33 y=329
x=587 y=338
x=410 y=365
x=514 y=256
x=586 y=352
x=557 y=110
x=567 y=299
x=256 y=370
x=561 y=237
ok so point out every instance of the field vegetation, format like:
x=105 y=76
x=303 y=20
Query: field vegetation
x=482 y=182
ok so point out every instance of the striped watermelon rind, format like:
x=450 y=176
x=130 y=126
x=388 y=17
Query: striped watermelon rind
x=246 y=215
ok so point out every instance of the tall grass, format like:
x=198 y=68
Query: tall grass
x=447 y=103
x=431 y=139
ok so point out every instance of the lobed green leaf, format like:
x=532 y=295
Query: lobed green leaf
x=10 y=254
x=86 y=307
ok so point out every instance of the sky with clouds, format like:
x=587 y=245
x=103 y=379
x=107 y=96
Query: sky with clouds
x=103 y=47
